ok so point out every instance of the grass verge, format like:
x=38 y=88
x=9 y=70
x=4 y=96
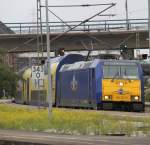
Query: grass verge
x=68 y=121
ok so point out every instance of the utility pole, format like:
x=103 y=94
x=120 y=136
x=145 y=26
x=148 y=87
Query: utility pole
x=49 y=92
x=127 y=17
x=149 y=23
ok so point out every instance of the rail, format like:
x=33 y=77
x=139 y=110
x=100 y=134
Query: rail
x=95 y=25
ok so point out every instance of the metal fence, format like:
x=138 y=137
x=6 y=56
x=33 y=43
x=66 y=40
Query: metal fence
x=95 y=25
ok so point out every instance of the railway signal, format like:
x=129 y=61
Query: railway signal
x=123 y=48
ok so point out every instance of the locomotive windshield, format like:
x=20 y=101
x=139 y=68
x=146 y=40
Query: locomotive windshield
x=111 y=71
x=129 y=72
x=120 y=71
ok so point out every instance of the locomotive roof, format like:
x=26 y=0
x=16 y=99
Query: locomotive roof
x=80 y=65
x=94 y=63
x=119 y=62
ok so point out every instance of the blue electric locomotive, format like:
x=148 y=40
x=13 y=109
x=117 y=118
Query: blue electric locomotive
x=103 y=84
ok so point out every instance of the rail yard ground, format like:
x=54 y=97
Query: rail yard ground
x=11 y=137
x=74 y=122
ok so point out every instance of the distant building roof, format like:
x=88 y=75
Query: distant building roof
x=4 y=29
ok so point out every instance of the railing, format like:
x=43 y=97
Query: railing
x=95 y=25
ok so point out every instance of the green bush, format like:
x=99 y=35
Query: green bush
x=8 y=81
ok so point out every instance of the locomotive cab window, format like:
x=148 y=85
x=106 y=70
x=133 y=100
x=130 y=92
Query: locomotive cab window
x=129 y=72
x=111 y=71
x=120 y=72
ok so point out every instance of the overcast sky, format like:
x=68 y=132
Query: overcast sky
x=25 y=10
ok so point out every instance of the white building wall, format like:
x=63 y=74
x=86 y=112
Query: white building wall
x=138 y=52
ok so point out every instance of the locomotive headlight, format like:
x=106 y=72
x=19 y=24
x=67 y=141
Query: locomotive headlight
x=121 y=84
x=136 y=98
x=106 y=97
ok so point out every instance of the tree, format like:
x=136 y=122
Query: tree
x=8 y=81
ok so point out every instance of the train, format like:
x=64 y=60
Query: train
x=96 y=84
x=29 y=93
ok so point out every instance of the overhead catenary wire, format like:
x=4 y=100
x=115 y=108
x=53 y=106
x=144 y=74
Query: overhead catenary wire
x=71 y=28
x=110 y=15
x=59 y=18
x=83 y=5
x=92 y=37
x=82 y=22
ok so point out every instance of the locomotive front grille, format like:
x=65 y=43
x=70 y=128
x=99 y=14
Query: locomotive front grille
x=124 y=97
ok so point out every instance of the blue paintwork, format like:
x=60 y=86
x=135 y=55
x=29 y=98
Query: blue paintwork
x=98 y=82
x=142 y=81
x=66 y=59
x=87 y=84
